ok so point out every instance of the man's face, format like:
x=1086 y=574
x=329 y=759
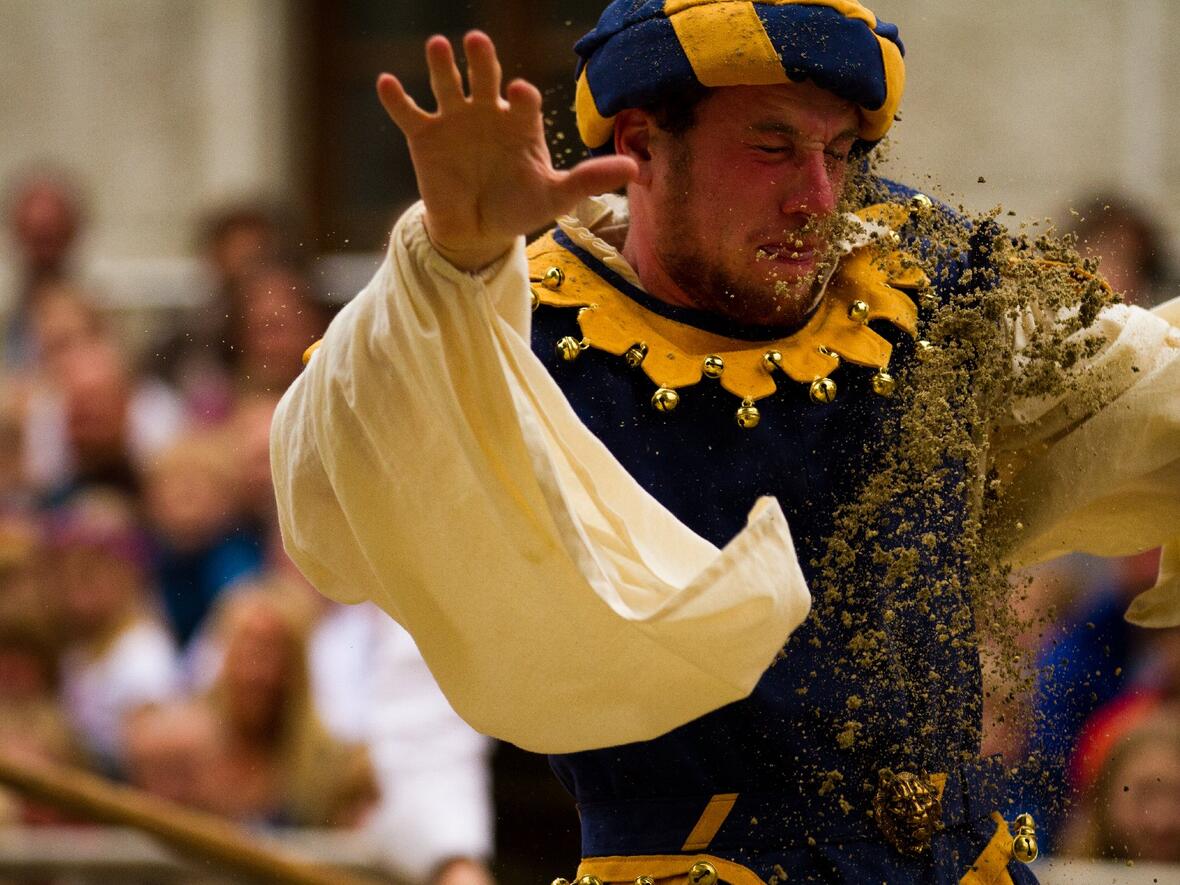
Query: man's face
x=744 y=203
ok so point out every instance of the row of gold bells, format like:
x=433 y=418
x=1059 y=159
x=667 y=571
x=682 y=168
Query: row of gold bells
x=822 y=390
x=700 y=873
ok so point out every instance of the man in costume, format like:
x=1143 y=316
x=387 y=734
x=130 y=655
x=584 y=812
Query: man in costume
x=604 y=480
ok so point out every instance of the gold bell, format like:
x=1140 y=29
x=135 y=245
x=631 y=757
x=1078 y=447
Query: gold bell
x=635 y=355
x=536 y=301
x=713 y=366
x=645 y=880
x=560 y=881
x=823 y=391
x=553 y=279
x=858 y=312
x=1024 y=846
x=702 y=873
x=1024 y=849
x=665 y=399
x=589 y=880
x=748 y=415
x=772 y=360
x=883 y=383
x=921 y=202
x=569 y=348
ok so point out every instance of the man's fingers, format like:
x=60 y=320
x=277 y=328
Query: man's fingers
x=483 y=68
x=402 y=109
x=596 y=176
x=445 y=82
x=524 y=98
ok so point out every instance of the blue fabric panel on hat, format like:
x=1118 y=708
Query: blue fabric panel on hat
x=838 y=54
x=638 y=66
x=615 y=18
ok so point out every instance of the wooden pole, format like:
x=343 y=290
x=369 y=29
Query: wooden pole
x=197 y=834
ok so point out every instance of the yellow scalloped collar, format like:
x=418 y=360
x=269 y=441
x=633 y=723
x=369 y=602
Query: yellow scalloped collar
x=868 y=285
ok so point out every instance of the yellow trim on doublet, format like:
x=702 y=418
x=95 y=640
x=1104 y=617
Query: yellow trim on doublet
x=612 y=322
x=666 y=869
x=991 y=867
x=711 y=819
x=727 y=45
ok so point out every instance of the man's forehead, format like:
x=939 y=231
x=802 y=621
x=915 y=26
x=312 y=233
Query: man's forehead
x=788 y=109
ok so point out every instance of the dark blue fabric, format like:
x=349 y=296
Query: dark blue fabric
x=777 y=746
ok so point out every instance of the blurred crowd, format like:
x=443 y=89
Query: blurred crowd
x=153 y=630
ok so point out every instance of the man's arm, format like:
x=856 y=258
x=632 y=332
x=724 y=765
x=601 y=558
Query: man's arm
x=1099 y=467
x=426 y=461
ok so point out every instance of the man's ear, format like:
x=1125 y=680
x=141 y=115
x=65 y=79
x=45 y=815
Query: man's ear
x=633 y=130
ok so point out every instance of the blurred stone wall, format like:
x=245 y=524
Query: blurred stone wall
x=161 y=107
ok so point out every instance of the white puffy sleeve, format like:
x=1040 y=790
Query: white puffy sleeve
x=426 y=461
x=1098 y=469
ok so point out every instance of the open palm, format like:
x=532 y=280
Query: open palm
x=483 y=168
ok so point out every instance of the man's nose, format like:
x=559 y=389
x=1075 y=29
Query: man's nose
x=815 y=186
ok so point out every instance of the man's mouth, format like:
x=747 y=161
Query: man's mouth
x=796 y=253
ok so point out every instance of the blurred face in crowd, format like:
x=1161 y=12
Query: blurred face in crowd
x=280 y=321
x=242 y=246
x=45 y=219
x=735 y=216
x=251 y=433
x=97 y=392
x=61 y=321
x=189 y=494
x=97 y=588
x=1143 y=802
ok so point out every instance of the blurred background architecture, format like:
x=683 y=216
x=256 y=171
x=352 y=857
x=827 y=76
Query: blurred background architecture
x=191 y=187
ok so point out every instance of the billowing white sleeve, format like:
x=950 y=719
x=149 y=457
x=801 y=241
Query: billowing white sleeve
x=1104 y=477
x=426 y=461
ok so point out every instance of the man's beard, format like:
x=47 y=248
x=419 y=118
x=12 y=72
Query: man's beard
x=712 y=288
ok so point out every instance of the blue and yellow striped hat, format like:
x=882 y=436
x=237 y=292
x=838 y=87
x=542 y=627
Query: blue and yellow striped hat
x=641 y=51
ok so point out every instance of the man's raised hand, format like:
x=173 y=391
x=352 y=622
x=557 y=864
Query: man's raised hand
x=483 y=168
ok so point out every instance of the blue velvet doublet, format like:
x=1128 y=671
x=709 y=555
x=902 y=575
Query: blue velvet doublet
x=778 y=749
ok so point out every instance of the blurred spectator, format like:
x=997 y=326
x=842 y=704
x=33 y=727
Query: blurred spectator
x=1132 y=809
x=95 y=422
x=45 y=217
x=434 y=820
x=278 y=319
x=192 y=498
x=1130 y=244
x=171 y=749
x=279 y=765
x=198 y=353
x=118 y=656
